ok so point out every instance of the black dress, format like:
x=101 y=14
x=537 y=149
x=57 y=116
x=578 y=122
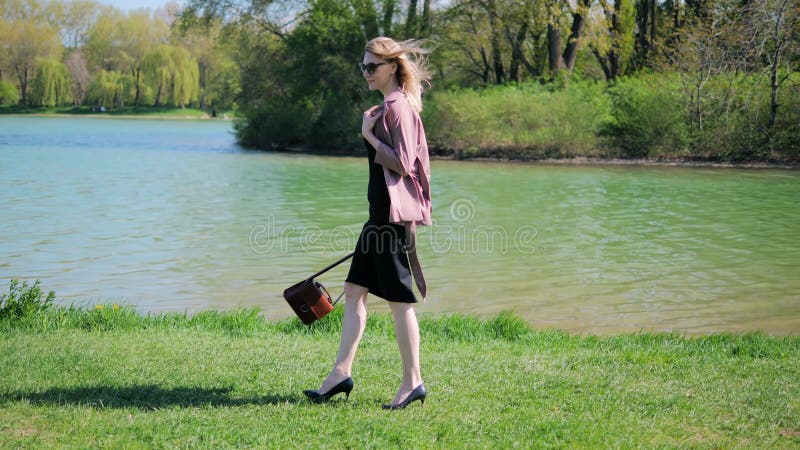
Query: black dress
x=380 y=262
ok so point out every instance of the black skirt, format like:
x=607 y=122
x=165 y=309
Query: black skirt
x=380 y=262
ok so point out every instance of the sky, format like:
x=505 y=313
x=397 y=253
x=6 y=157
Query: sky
x=130 y=5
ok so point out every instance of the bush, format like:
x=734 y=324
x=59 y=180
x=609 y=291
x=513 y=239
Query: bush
x=647 y=117
x=529 y=121
x=8 y=93
x=24 y=301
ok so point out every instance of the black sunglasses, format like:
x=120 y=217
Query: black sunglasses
x=370 y=68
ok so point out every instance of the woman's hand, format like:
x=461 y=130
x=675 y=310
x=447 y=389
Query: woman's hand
x=370 y=117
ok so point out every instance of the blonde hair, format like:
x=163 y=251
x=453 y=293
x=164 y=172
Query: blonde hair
x=412 y=64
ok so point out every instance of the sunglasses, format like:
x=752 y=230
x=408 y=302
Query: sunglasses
x=370 y=68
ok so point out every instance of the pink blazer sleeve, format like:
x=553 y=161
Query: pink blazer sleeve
x=403 y=126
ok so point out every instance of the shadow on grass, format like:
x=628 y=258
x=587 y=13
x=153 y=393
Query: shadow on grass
x=146 y=397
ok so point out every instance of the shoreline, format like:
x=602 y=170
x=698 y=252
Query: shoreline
x=453 y=155
x=605 y=162
x=119 y=116
x=572 y=161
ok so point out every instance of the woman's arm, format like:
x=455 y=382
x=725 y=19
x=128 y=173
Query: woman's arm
x=402 y=123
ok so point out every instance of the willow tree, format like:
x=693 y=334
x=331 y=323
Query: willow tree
x=52 y=85
x=108 y=89
x=206 y=45
x=24 y=42
x=8 y=93
x=136 y=36
x=173 y=74
x=157 y=70
x=185 y=77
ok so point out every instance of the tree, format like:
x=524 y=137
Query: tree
x=478 y=29
x=26 y=41
x=8 y=93
x=615 y=45
x=76 y=64
x=137 y=35
x=388 y=15
x=216 y=68
x=709 y=45
x=647 y=25
x=776 y=25
x=52 y=84
x=102 y=52
x=108 y=89
x=173 y=73
x=411 y=19
x=76 y=21
x=557 y=12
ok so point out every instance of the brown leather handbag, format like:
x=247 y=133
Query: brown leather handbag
x=309 y=299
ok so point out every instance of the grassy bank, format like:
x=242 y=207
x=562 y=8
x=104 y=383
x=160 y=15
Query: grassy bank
x=655 y=117
x=108 y=377
x=128 y=111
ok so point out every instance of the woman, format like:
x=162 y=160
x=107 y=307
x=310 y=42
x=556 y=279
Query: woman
x=399 y=200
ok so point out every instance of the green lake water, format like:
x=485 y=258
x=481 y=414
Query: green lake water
x=173 y=216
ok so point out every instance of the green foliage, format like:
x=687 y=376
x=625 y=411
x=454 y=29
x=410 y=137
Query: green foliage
x=108 y=89
x=530 y=121
x=647 y=118
x=315 y=94
x=9 y=95
x=52 y=85
x=172 y=76
x=23 y=301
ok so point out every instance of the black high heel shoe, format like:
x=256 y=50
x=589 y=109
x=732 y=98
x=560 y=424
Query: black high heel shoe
x=345 y=386
x=418 y=393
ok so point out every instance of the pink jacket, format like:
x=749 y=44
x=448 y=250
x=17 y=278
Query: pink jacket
x=403 y=153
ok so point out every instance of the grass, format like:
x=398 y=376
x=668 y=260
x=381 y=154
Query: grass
x=109 y=377
x=139 y=111
x=523 y=123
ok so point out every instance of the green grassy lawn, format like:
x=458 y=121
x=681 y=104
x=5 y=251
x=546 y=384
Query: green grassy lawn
x=143 y=111
x=111 y=378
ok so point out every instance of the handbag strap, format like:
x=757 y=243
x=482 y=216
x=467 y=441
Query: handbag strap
x=332 y=265
x=337 y=299
x=343 y=259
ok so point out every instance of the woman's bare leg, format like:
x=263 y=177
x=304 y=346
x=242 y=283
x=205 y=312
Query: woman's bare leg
x=406 y=330
x=353 y=323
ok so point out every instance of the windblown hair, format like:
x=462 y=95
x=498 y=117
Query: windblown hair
x=412 y=64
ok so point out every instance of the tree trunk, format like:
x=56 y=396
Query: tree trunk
x=554 y=50
x=497 y=59
x=642 y=22
x=516 y=51
x=653 y=28
x=365 y=11
x=388 y=14
x=614 y=52
x=773 y=82
x=23 y=86
x=202 y=78
x=576 y=31
x=411 y=20
x=486 y=67
x=604 y=64
x=136 y=74
x=427 y=25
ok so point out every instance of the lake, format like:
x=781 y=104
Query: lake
x=169 y=215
